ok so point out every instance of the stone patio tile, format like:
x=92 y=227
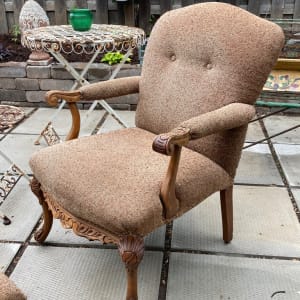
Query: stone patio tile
x=59 y=235
x=27 y=110
x=275 y=124
x=19 y=148
x=81 y=273
x=62 y=123
x=254 y=132
x=111 y=124
x=296 y=194
x=264 y=224
x=289 y=156
x=213 y=277
x=22 y=207
x=7 y=253
x=257 y=167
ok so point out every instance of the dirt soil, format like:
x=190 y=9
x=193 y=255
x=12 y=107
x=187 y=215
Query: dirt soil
x=12 y=50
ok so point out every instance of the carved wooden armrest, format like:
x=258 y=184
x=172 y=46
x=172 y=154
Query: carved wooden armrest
x=71 y=97
x=171 y=144
x=165 y=143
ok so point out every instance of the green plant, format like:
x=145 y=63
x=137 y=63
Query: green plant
x=114 y=58
x=15 y=33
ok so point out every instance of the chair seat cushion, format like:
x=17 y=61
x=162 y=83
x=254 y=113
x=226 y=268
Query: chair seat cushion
x=8 y=290
x=113 y=180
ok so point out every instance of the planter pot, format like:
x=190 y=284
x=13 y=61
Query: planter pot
x=81 y=19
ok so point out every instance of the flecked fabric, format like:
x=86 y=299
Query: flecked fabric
x=110 y=88
x=8 y=290
x=113 y=180
x=200 y=58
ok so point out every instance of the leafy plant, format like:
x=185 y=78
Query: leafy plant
x=114 y=58
x=15 y=33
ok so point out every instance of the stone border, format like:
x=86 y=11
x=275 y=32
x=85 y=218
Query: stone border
x=25 y=85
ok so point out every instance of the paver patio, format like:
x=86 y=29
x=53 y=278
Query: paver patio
x=189 y=260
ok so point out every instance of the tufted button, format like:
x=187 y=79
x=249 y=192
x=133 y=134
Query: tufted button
x=209 y=66
x=173 y=57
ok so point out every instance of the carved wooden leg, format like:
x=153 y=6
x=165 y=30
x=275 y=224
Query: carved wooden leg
x=131 y=249
x=43 y=232
x=227 y=214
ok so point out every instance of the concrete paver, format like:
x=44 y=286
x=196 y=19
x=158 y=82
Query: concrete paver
x=7 y=253
x=289 y=156
x=81 y=273
x=264 y=223
x=296 y=193
x=19 y=149
x=254 y=132
x=194 y=276
x=257 y=167
x=22 y=207
x=276 y=124
x=62 y=123
x=112 y=124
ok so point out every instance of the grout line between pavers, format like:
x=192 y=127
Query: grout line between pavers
x=237 y=255
x=281 y=171
x=22 y=249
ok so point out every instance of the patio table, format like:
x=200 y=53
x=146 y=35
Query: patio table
x=101 y=38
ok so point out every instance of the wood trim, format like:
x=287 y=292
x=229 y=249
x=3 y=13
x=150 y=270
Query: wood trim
x=74 y=131
x=52 y=97
x=287 y=64
x=80 y=227
x=131 y=249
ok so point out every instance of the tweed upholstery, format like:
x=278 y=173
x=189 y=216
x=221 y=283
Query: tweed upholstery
x=110 y=88
x=8 y=290
x=200 y=58
x=113 y=180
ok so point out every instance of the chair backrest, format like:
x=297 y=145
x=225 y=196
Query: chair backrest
x=200 y=58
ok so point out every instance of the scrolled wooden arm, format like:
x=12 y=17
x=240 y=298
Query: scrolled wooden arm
x=71 y=97
x=52 y=97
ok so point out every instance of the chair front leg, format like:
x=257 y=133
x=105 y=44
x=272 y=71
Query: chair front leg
x=43 y=232
x=227 y=214
x=131 y=249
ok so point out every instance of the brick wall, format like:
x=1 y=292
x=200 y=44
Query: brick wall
x=25 y=85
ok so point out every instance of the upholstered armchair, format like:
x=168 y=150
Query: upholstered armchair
x=204 y=67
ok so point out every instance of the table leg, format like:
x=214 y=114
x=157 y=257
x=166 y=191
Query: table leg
x=48 y=132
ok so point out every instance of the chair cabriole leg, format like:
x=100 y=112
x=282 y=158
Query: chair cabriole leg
x=227 y=214
x=131 y=249
x=43 y=232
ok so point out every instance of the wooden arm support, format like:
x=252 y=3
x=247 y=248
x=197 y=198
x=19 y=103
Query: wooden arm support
x=71 y=97
x=171 y=144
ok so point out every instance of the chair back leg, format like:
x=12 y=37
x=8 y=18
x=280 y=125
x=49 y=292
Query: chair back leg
x=131 y=249
x=227 y=214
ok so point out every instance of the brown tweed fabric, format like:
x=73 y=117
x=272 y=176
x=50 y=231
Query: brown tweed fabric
x=110 y=88
x=8 y=290
x=113 y=180
x=200 y=58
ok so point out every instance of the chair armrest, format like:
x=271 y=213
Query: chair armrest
x=95 y=91
x=227 y=117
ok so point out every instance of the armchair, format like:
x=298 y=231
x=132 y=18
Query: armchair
x=204 y=67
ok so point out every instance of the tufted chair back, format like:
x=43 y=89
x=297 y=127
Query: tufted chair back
x=200 y=58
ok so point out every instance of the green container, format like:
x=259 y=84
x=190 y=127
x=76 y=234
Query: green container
x=81 y=19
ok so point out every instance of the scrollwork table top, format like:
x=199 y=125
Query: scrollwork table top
x=62 y=38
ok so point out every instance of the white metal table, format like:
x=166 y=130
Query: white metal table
x=101 y=38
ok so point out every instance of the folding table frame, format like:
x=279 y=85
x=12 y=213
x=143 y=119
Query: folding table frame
x=99 y=39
